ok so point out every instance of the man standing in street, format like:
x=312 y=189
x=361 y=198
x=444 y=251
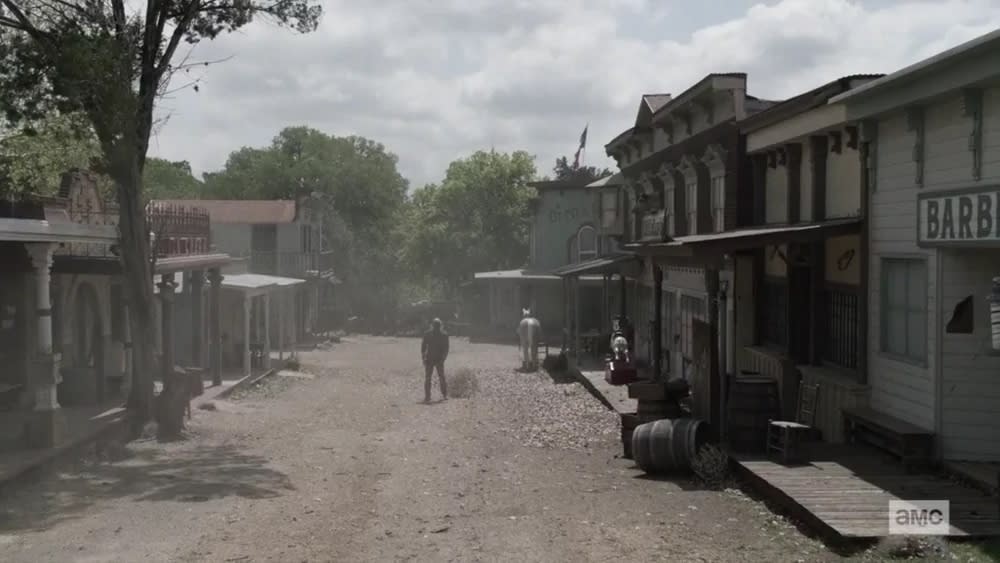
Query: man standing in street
x=434 y=350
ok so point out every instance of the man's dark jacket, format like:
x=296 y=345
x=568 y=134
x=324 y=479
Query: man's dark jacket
x=434 y=347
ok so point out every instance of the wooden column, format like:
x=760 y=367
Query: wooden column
x=197 y=285
x=247 y=313
x=657 y=335
x=167 y=359
x=566 y=313
x=281 y=324
x=623 y=306
x=267 y=330
x=715 y=377
x=576 y=317
x=793 y=167
x=214 y=322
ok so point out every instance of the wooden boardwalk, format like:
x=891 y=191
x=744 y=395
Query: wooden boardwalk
x=844 y=492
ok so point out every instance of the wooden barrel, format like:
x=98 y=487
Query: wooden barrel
x=666 y=445
x=629 y=423
x=752 y=402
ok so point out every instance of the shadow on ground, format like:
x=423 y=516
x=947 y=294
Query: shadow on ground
x=195 y=474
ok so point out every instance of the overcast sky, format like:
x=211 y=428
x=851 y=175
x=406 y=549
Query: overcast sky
x=435 y=80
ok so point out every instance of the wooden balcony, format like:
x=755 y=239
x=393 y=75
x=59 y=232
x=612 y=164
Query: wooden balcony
x=179 y=230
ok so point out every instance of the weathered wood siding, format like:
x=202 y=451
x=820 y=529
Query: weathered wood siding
x=899 y=388
x=970 y=428
x=843 y=172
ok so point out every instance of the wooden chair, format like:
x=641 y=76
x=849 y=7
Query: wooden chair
x=786 y=437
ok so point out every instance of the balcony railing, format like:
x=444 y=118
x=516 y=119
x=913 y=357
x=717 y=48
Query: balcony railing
x=179 y=230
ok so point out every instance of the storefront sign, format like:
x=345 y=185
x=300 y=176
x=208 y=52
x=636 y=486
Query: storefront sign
x=962 y=216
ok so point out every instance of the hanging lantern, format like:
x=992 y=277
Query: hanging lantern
x=995 y=313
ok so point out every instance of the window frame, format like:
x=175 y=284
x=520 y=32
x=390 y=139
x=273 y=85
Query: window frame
x=909 y=309
x=581 y=254
x=691 y=206
x=718 y=197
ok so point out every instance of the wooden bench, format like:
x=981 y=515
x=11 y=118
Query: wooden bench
x=912 y=444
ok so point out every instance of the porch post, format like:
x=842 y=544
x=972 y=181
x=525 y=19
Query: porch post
x=247 y=310
x=293 y=353
x=267 y=330
x=44 y=430
x=197 y=285
x=215 y=334
x=166 y=287
x=576 y=318
x=282 y=298
x=657 y=335
x=624 y=290
x=714 y=377
x=566 y=316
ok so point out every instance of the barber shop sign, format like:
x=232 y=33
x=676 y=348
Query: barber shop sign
x=959 y=217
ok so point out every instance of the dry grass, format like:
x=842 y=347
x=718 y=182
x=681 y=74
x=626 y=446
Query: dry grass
x=711 y=466
x=462 y=383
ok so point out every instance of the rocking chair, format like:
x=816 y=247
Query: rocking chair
x=786 y=437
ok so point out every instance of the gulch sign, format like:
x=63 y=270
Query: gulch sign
x=960 y=216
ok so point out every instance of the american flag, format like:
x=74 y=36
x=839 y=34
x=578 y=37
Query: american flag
x=583 y=145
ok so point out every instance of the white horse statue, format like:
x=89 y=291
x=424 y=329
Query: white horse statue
x=530 y=332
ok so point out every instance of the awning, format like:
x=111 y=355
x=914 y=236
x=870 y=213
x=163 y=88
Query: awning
x=611 y=264
x=715 y=244
x=38 y=230
x=257 y=283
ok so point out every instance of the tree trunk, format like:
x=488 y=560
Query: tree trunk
x=138 y=274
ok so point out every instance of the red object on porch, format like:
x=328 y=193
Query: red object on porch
x=618 y=372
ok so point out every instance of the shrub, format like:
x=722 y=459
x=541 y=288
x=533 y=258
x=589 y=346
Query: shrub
x=462 y=383
x=711 y=466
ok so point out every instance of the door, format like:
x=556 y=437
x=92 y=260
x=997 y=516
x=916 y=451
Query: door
x=263 y=247
x=799 y=328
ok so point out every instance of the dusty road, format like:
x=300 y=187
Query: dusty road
x=348 y=466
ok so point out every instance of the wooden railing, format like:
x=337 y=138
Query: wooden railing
x=772 y=363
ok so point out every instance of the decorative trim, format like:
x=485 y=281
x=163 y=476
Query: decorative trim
x=836 y=142
x=668 y=129
x=708 y=108
x=972 y=107
x=782 y=156
x=869 y=136
x=715 y=157
x=852 y=136
x=915 y=120
x=772 y=159
x=685 y=120
x=687 y=167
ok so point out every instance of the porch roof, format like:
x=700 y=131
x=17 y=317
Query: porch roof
x=610 y=264
x=191 y=262
x=514 y=275
x=257 y=282
x=40 y=230
x=714 y=244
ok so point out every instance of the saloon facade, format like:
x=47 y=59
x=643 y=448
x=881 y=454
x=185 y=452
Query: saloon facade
x=934 y=174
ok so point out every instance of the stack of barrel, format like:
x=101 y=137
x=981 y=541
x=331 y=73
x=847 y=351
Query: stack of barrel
x=659 y=437
x=753 y=401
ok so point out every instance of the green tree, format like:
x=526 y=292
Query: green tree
x=32 y=161
x=476 y=219
x=364 y=195
x=111 y=61
x=166 y=179
x=584 y=174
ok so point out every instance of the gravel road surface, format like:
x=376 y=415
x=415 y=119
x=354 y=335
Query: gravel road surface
x=341 y=462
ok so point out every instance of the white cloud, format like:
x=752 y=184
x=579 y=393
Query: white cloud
x=435 y=80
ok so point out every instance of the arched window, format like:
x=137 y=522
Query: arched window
x=586 y=243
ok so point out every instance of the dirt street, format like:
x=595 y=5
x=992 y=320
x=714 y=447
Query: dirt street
x=343 y=463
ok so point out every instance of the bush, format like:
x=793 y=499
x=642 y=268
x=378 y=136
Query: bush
x=711 y=466
x=462 y=383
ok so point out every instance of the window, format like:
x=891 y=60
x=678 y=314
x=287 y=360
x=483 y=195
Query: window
x=668 y=209
x=719 y=204
x=586 y=239
x=904 y=308
x=841 y=342
x=609 y=209
x=691 y=202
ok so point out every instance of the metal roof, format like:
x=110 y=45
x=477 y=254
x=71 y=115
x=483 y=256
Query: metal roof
x=944 y=58
x=612 y=180
x=602 y=265
x=242 y=211
x=257 y=281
